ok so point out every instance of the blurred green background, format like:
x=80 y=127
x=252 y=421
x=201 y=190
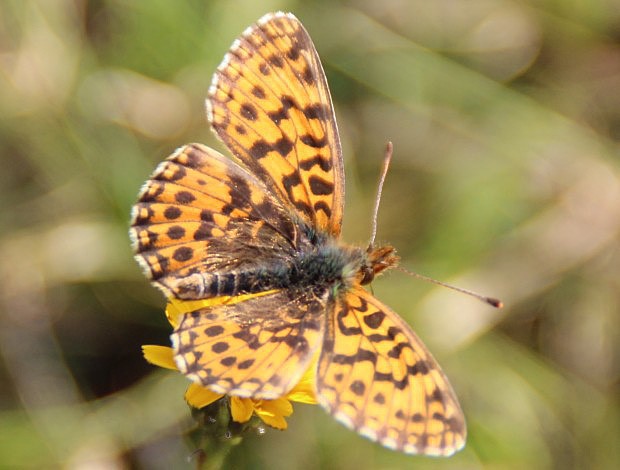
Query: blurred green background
x=505 y=118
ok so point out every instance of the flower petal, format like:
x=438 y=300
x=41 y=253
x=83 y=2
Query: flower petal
x=161 y=356
x=303 y=392
x=241 y=409
x=273 y=412
x=279 y=406
x=177 y=308
x=277 y=422
x=199 y=396
x=174 y=311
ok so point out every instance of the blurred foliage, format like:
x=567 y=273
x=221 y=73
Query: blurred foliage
x=505 y=118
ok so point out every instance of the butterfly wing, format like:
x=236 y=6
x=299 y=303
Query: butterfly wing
x=200 y=214
x=270 y=104
x=376 y=376
x=259 y=347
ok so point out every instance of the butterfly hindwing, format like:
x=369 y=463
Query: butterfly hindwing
x=270 y=104
x=257 y=348
x=376 y=376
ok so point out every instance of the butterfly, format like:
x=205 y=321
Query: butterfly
x=259 y=234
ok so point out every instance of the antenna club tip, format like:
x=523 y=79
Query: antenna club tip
x=494 y=302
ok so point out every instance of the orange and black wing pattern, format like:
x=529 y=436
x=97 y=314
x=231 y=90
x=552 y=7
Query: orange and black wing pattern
x=200 y=217
x=375 y=376
x=259 y=347
x=270 y=104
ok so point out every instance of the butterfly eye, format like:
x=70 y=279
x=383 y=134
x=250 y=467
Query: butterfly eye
x=367 y=273
x=381 y=258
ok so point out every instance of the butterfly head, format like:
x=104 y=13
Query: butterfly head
x=377 y=260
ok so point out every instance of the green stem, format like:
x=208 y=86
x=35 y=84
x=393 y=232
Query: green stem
x=216 y=434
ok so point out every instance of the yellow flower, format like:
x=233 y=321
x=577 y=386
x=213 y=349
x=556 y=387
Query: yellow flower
x=272 y=412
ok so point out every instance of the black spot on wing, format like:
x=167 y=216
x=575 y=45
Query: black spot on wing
x=358 y=388
x=214 y=330
x=202 y=233
x=228 y=361
x=183 y=253
x=259 y=92
x=172 y=212
x=282 y=112
x=184 y=197
x=420 y=367
x=249 y=112
x=276 y=61
x=206 y=215
x=277 y=115
x=176 y=232
x=309 y=76
x=294 y=52
x=219 y=347
x=283 y=146
x=259 y=149
x=316 y=111
x=322 y=206
x=324 y=164
x=319 y=186
x=312 y=141
x=366 y=355
x=387 y=377
x=437 y=395
x=245 y=364
x=374 y=320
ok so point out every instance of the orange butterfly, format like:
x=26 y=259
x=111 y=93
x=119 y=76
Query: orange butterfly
x=261 y=235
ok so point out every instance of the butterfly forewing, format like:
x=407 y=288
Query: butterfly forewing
x=270 y=104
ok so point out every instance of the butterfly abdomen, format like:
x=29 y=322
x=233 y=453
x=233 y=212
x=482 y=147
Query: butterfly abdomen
x=321 y=267
x=209 y=285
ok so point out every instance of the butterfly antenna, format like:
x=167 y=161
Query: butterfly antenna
x=389 y=148
x=387 y=158
x=489 y=300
